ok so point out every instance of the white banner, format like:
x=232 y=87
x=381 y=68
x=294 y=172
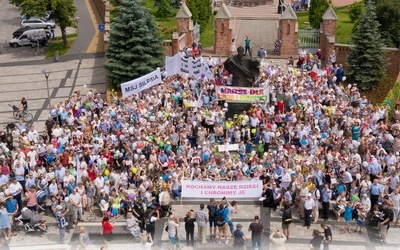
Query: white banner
x=220 y=189
x=141 y=83
x=178 y=65
x=228 y=147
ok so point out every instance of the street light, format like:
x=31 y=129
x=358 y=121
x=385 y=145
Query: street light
x=79 y=45
x=46 y=73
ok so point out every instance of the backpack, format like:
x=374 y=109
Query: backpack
x=212 y=210
x=220 y=218
x=287 y=216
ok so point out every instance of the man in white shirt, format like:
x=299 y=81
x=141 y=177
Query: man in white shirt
x=15 y=189
x=53 y=189
x=315 y=195
x=308 y=209
x=33 y=135
x=75 y=199
x=99 y=182
x=286 y=179
x=393 y=180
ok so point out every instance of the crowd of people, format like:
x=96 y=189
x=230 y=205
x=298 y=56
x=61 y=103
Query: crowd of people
x=128 y=156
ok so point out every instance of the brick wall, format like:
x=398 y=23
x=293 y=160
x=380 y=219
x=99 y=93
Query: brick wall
x=288 y=36
x=392 y=55
x=222 y=37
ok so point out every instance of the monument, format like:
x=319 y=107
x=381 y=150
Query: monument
x=243 y=68
x=245 y=71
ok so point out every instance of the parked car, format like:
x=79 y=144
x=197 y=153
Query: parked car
x=28 y=36
x=19 y=32
x=45 y=17
x=38 y=23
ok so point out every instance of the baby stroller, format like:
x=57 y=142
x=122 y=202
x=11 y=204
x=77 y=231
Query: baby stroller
x=31 y=222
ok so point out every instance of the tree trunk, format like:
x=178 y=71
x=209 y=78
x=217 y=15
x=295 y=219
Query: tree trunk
x=64 y=35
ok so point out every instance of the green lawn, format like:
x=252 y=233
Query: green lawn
x=57 y=44
x=343 y=26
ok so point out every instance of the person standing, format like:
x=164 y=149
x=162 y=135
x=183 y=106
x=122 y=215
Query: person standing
x=327 y=235
x=384 y=221
x=308 y=208
x=212 y=217
x=315 y=195
x=222 y=222
x=238 y=237
x=315 y=243
x=173 y=224
x=286 y=219
x=256 y=229
x=261 y=53
x=247 y=40
x=189 y=228
x=75 y=199
x=61 y=222
x=326 y=197
x=277 y=240
x=84 y=240
x=107 y=231
x=376 y=193
x=202 y=219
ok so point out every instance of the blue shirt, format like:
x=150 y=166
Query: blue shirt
x=348 y=213
x=376 y=189
x=225 y=213
x=11 y=205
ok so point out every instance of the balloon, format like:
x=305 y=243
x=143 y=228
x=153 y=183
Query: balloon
x=358 y=176
x=130 y=130
x=344 y=78
x=365 y=164
x=225 y=104
x=166 y=114
x=138 y=150
x=349 y=86
x=106 y=172
x=142 y=157
x=161 y=144
x=132 y=196
x=151 y=166
x=115 y=156
x=134 y=170
x=253 y=131
x=87 y=105
x=112 y=114
x=135 y=156
x=105 y=178
x=108 y=213
x=354 y=198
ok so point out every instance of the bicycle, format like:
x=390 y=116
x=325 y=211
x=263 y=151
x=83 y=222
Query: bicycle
x=19 y=113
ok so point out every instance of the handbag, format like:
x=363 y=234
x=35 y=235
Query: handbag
x=166 y=228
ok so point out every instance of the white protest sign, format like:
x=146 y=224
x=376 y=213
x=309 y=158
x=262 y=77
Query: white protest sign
x=141 y=83
x=220 y=189
x=228 y=147
x=178 y=65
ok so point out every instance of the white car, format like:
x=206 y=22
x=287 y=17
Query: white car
x=26 y=37
x=37 y=23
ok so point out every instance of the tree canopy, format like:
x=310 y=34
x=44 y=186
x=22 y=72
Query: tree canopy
x=316 y=11
x=201 y=11
x=367 y=59
x=135 y=46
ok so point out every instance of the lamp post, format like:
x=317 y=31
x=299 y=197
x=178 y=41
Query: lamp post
x=46 y=72
x=79 y=45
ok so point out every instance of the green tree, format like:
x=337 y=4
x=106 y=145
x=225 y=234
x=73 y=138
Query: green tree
x=367 y=57
x=63 y=11
x=165 y=9
x=389 y=18
x=201 y=11
x=135 y=46
x=316 y=11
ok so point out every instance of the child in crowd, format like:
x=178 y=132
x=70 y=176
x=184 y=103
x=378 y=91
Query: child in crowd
x=348 y=216
x=361 y=219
